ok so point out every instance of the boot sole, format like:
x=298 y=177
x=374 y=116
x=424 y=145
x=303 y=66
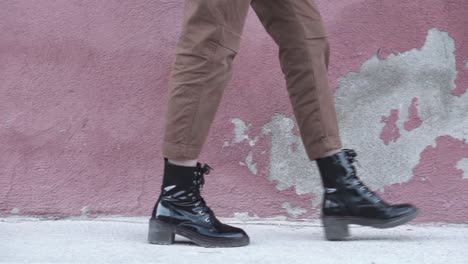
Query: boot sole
x=336 y=228
x=161 y=233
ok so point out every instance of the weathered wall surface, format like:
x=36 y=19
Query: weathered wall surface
x=83 y=88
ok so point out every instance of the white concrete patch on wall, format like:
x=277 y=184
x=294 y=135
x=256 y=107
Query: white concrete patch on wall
x=84 y=212
x=362 y=99
x=381 y=85
x=245 y=216
x=288 y=167
x=241 y=132
x=294 y=211
x=463 y=165
x=15 y=211
x=250 y=164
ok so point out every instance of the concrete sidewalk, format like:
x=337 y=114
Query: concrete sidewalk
x=123 y=240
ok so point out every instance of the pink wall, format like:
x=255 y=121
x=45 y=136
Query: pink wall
x=83 y=88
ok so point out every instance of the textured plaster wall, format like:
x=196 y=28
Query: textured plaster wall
x=83 y=88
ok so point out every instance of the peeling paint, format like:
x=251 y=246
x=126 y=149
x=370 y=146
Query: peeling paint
x=245 y=216
x=294 y=211
x=285 y=171
x=420 y=81
x=84 y=212
x=250 y=165
x=290 y=168
x=241 y=132
x=15 y=211
x=463 y=165
x=428 y=74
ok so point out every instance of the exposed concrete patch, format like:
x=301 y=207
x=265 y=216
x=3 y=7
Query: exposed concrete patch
x=463 y=165
x=294 y=211
x=362 y=98
x=15 y=211
x=287 y=167
x=241 y=132
x=250 y=165
x=84 y=212
x=244 y=217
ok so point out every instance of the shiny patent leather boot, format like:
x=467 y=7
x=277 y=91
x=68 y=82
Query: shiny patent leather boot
x=348 y=201
x=181 y=210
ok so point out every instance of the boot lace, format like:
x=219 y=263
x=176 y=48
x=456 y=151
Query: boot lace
x=354 y=179
x=198 y=183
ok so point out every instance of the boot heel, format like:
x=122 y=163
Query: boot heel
x=160 y=234
x=335 y=229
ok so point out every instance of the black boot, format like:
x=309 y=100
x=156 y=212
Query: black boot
x=181 y=210
x=348 y=201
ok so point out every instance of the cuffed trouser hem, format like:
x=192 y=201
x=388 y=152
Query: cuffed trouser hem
x=314 y=151
x=318 y=150
x=180 y=151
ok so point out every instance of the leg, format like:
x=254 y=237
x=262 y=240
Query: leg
x=296 y=27
x=208 y=44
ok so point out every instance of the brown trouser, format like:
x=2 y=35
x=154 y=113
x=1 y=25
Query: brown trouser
x=209 y=42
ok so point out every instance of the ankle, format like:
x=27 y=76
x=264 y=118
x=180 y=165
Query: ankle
x=330 y=153
x=182 y=162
